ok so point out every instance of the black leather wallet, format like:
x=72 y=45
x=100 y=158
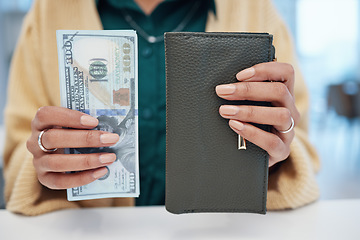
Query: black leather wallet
x=205 y=170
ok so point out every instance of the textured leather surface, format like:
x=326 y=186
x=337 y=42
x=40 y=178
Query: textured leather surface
x=205 y=172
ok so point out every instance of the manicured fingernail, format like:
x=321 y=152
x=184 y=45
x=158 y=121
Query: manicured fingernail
x=107 y=158
x=245 y=74
x=99 y=172
x=109 y=138
x=87 y=120
x=229 y=110
x=225 y=89
x=236 y=124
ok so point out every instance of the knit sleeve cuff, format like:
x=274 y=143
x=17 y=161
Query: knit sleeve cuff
x=26 y=195
x=294 y=184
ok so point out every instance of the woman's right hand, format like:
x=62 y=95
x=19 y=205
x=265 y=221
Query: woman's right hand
x=51 y=167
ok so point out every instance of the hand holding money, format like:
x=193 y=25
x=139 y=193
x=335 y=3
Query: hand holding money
x=72 y=149
x=68 y=129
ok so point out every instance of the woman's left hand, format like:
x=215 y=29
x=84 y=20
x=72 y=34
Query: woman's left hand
x=270 y=82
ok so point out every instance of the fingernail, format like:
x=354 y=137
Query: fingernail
x=100 y=172
x=245 y=74
x=225 y=89
x=109 y=138
x=87 y=120
x=236 y=124
x=229 y=110
x=107 y=158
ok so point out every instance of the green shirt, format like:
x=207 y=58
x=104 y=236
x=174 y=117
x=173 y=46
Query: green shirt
x=165 y=18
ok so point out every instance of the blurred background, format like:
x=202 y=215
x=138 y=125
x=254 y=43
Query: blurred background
x=327 y=38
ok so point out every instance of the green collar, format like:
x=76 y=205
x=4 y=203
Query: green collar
x=132 y=5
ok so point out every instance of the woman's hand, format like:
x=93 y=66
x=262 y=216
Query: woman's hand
x=51 y=167
x=271 y=82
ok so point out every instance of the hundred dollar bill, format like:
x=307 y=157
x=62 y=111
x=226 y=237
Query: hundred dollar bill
x=98 y=76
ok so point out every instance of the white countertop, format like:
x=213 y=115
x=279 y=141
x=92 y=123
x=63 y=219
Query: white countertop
x=332 y=219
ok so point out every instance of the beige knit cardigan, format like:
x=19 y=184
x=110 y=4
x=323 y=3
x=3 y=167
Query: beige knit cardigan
x=34 y=83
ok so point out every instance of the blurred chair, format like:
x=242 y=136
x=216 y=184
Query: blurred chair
x=342 y=123
x=344 y=98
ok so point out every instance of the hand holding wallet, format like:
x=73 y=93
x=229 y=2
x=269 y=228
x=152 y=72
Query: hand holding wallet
x=205 y=170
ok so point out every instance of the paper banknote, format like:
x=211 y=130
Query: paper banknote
x=98 y=76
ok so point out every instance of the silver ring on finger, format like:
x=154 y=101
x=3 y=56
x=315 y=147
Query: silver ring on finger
x=41 y=146
x=290 y=128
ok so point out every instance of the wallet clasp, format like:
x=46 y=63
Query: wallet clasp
x=241 y=143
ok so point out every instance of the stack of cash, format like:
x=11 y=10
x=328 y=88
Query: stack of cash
x=98 y=76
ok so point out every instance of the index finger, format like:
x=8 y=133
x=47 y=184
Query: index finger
x=269 y=71
x=52 y=116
